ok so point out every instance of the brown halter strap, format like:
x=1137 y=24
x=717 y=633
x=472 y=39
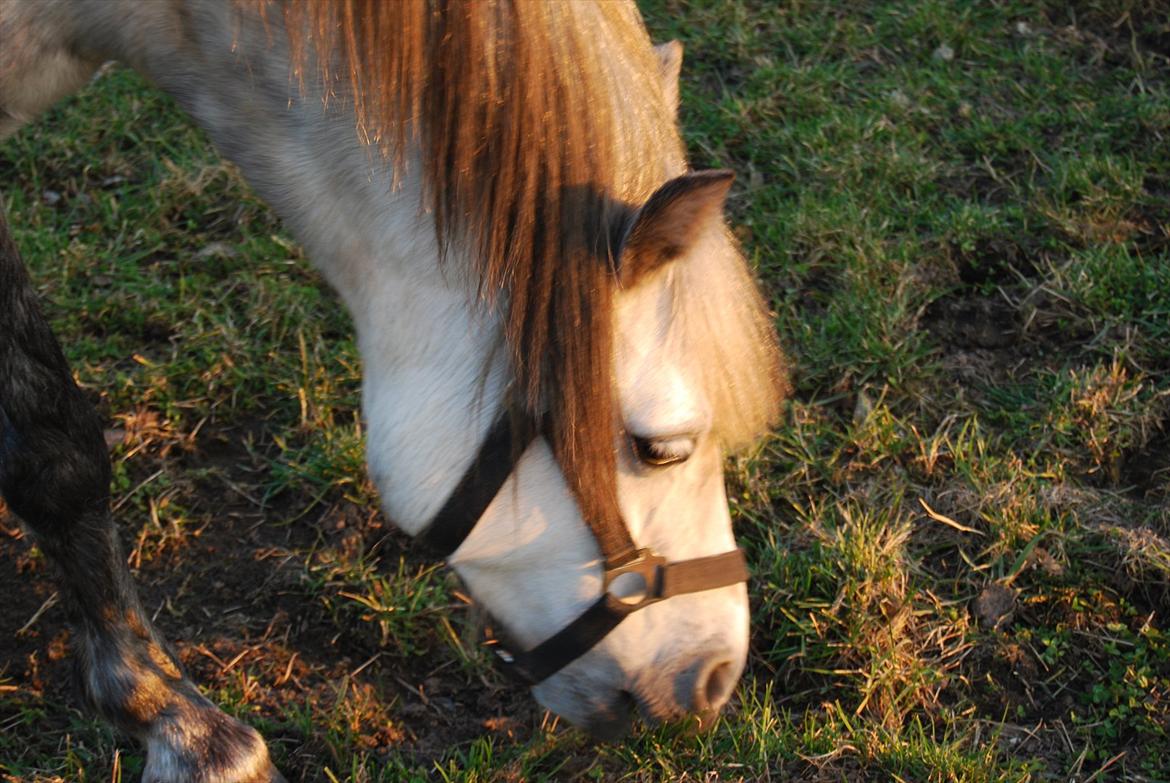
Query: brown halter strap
x=659 y=579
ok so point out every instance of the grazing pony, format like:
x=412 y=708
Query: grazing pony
x=560 y=339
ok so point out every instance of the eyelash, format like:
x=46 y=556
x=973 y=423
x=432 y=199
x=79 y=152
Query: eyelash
x=651 y=452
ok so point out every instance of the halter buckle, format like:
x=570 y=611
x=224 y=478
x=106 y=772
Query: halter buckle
x=646 y=564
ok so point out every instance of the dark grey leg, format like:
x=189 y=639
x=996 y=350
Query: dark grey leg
x=55 y=475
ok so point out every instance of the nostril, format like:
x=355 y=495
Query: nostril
x=714 y=686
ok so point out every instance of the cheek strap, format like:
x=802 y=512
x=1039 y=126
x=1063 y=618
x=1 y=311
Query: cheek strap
x=477 y=489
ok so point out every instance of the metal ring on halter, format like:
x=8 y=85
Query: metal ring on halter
x=646 y=565
x=481 y=483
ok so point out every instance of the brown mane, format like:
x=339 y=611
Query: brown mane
x=537 y=125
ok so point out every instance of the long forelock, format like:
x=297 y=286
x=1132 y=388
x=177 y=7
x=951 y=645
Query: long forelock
x=722 y=329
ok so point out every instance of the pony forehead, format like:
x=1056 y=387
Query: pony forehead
x=701 y=321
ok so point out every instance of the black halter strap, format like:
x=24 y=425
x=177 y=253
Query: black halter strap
x=477 y=489
x=657 y=579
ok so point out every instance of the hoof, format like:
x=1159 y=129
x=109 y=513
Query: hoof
x=203 y=745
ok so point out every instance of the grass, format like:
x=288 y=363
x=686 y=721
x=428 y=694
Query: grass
x=960 y=533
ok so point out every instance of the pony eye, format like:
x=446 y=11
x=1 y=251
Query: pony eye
x=664 y=451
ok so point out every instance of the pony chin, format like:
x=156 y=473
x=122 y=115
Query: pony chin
x=584 y=694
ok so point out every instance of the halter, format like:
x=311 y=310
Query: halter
x=660 y=580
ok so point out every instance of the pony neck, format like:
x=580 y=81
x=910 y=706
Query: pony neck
x=434 y=377
x=434 y=367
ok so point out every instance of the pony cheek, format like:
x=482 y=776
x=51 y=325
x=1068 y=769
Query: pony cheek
x=531 y=561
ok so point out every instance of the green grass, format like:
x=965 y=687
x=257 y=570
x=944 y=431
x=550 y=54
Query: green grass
x=960 y=533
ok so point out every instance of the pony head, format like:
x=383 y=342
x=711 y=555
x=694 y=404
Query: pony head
x=696 y=374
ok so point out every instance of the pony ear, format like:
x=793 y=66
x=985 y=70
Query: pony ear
x=670 y=56
x=671 y=221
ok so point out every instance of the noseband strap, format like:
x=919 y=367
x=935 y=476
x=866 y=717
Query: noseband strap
x=647 y=577
x=592 y=625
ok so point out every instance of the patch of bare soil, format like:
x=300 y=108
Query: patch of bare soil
x=1116 y=26
x=974 y=322
x=233 y=599
x=1147 y=470
x=1002 y=674
x=981 y=340
x=995 y=259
